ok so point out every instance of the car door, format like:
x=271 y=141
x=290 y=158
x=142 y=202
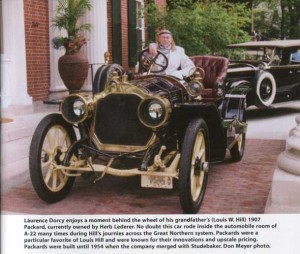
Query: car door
x=295 y=62
x=286 y=72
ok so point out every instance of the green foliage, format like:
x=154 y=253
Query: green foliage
x=173 y=4
x=205 y=29
x=291 y=21
x=68 y=13
x=277 y=18
x=267 y=19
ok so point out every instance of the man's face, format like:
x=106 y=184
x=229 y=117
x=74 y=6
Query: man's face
x=165 y=39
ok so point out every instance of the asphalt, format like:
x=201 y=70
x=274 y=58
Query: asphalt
x=233 y=188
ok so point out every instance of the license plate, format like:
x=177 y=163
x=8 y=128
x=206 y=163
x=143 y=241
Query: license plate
x=163 y=182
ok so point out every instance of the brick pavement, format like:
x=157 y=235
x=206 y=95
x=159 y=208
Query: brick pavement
x=233 y=188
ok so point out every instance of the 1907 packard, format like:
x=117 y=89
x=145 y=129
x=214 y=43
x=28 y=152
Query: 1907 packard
x=168 y=129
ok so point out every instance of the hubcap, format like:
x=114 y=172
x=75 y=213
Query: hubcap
x=266 y=90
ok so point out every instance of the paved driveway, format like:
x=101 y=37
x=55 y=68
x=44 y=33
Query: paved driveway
x=272 y=123
x=241 y=187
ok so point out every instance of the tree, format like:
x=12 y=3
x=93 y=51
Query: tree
x=273 y=19
x=277 y=18
x=173 y=4
x=290 y=18
x=204 y=29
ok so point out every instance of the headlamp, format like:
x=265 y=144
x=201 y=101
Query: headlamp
x=154 y=112
x=194 y=88
x=76 y=108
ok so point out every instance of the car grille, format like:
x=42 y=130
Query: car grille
x=117 y=121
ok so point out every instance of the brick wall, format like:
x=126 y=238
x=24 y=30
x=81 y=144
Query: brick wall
x=124 y=22
x=109 y=27
x=37 y=48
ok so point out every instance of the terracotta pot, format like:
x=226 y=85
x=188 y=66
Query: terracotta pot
x=73 y=70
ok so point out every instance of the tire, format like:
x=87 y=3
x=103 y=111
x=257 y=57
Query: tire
x=51 y=140
x=237 y=151
x=265 y=90
x=97 y=79
x=103 y=75
x=193 y=174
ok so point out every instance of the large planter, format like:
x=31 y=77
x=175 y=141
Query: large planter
x=73 y=70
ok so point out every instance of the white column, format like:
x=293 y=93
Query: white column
x=57 y=87
x=94 y=49
x=97 y=38
x=13 y=57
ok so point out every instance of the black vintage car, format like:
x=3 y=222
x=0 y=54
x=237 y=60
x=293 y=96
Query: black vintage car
x=271 y=67
x=154 y=126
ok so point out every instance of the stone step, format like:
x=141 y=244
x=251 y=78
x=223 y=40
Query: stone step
x=16 y=137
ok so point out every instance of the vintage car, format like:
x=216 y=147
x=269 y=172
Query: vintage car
x=272 y=68
x=165 y=130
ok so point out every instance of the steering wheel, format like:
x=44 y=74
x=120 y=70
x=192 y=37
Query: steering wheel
x=153 y=64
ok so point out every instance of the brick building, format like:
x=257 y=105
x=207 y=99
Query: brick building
x=29 y=63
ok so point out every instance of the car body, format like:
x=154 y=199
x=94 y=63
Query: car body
x=271 y=67
x=153 y=126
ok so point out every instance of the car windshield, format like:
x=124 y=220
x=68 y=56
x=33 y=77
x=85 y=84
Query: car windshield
x=257 y=54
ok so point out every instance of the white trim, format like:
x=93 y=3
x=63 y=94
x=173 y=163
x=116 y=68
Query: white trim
x=142 y=28
x=13 y=59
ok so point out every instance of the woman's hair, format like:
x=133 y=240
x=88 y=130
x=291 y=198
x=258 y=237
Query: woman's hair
x=165 y=31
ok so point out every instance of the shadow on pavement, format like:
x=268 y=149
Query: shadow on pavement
x=233 y=188
x=272 y=112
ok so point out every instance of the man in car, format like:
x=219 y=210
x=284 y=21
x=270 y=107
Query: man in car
x=179 y=64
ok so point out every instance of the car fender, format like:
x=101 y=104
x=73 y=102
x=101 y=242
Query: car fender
x=185 y=112
x=236 y=100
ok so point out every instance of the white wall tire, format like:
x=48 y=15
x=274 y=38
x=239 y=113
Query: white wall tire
x=265 y=90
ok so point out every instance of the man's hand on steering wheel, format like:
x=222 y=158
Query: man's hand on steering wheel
x=153 y=64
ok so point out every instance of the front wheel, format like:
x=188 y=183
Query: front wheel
x=49 y=145
x=193 y=167
x=265 y=90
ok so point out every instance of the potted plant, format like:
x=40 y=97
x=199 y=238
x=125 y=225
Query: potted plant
x=72 y=66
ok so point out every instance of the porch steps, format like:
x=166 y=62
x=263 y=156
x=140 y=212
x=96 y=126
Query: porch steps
x=16 y=137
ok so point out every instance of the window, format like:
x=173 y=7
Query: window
x=140 y=25
x=296 y=56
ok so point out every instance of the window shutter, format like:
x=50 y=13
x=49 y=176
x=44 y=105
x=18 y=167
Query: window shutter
x=151 y=28
x=132 y=33
x=116 y=31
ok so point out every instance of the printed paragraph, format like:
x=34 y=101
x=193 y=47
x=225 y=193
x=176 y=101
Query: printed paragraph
x=146 y=233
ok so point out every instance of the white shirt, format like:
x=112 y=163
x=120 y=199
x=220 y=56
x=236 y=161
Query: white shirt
x=179 y=64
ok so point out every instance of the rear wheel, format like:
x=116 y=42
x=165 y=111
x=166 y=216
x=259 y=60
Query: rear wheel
x=49 y=145
x=193 y=167
x=237 y=151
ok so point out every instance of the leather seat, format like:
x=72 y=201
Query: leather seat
x=215 y=68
